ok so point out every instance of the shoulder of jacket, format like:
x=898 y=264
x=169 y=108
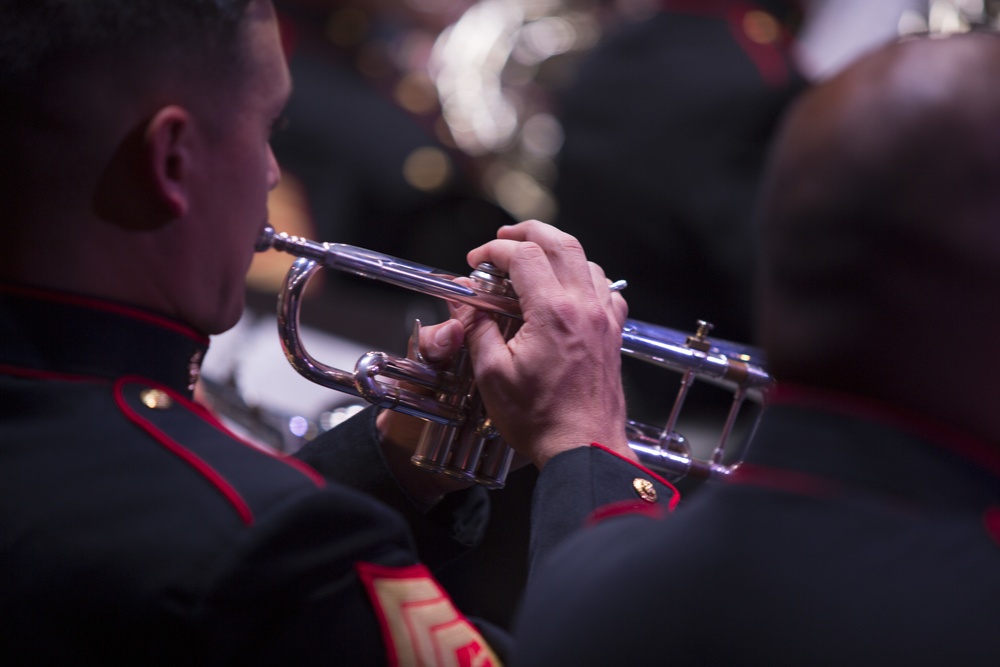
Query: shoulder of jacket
x=248 y=476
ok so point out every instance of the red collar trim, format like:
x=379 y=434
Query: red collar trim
x=971 y=448
x=767 y=58
x=35 y=374
x=788 y=481
x=94 y=303
x=991 y=520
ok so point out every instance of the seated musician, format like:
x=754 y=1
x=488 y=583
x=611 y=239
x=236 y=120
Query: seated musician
x=133 y=528
x=864 y=525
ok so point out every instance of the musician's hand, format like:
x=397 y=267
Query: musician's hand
x=556 y=384
x=399 y=433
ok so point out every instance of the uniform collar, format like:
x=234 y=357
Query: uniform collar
x=789 y=12
x=851 y=442
x=48 y=333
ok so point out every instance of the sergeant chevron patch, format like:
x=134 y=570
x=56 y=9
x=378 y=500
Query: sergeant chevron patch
x=420 y=625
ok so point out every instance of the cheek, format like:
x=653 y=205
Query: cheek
x=265 y=175
x=251 y=176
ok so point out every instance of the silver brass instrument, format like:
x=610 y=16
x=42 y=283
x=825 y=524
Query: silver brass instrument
x=459 y=439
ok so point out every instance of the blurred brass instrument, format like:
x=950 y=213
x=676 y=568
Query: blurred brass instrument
x=459 y=439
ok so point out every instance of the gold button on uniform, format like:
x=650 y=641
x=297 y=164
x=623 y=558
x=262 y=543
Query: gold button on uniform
x=645 y=489
x=155 y=399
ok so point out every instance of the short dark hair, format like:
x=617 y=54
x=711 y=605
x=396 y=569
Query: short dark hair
x=62 y=61
x=40 y=34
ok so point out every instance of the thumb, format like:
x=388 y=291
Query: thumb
x=439 y=342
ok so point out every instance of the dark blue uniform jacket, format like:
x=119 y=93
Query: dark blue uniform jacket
x=135 y=529
x=852 y=535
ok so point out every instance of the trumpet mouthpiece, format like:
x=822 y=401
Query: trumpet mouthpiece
x=264 y=241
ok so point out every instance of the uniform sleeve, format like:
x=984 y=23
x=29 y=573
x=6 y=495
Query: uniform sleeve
x=350 y=455
x=581 y=484
x=330 y=577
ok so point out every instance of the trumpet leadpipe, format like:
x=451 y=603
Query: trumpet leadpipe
x=393 y=270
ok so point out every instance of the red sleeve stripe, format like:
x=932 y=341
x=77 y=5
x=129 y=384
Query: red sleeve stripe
x=626 y=508
x=675 y=496
x=369 y=572
x=419 y=620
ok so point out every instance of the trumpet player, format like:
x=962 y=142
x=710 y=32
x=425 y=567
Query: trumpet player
x=133 y=528
x=863 y=527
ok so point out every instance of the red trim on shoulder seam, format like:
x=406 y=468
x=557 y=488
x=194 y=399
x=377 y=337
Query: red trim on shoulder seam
x=36 y=374
x=991 y=520
x=206 y=471
x=675 y=494
x=967 y=446
x=789 y=481
x=303 y=467
x=767 y=58
x=203 y=468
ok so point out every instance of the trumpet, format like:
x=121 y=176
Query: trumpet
x=459 y=440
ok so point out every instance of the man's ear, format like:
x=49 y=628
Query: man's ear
x=168 y=157
x=145 y=183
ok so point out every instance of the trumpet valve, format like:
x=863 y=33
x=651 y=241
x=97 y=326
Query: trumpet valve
x=490 y=279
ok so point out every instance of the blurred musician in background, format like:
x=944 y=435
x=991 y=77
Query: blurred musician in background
x=864 y=526
x=133 y=528
x=667 y=122
x=369 y=155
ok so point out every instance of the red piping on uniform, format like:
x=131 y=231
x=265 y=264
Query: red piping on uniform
x=962 y=444
x=200 y=410
x=106 y=306
x=789 y=481
x=17 y=371
x=991 y=520
x=187 y=455
x=767 y=58
x=210 y=417
x=676 y=495
x=303 y=468
x=626 y=508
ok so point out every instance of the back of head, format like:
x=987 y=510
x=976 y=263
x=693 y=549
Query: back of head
x=43 y=33
x=880 y=224
x=70 y=68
